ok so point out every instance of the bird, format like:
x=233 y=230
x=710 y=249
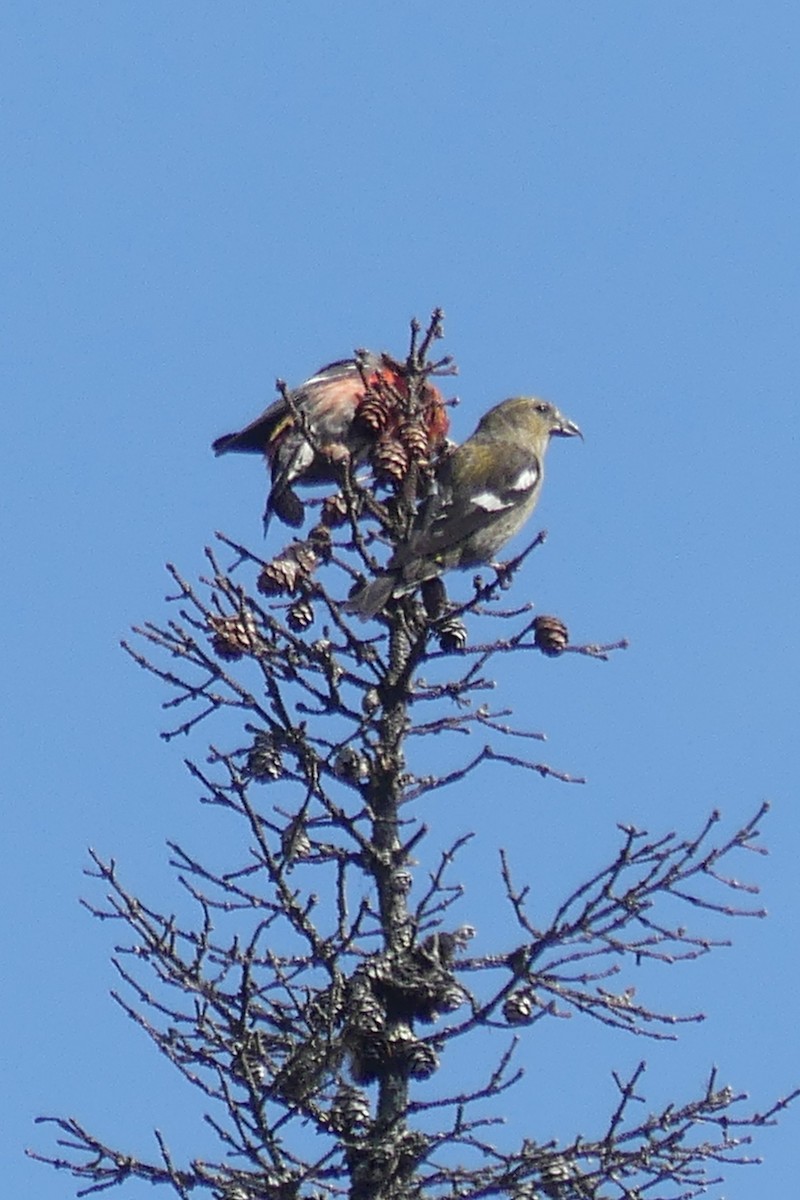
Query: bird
x=306 y=434
x=484 y=492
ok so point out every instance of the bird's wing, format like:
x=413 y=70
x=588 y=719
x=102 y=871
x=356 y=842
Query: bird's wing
x=475 y=490
x=255 y=437
x=336 y=383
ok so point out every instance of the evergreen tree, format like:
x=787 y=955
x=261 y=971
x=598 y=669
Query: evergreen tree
x=332 y=973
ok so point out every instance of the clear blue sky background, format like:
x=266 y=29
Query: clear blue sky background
x=604 y=198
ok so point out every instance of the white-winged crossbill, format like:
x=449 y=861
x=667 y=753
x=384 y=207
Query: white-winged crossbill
x=343 y=411
x=485 y=492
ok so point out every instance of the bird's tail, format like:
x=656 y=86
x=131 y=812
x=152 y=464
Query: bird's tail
x=372 y=597
x=245 y=441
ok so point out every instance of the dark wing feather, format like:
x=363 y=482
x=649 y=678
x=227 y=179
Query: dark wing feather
x=474 y=490
x=256 y=437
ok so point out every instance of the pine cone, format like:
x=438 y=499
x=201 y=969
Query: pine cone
x=421 y=1060
x=319 y=542
x=550 y=635
x=233 y=636
x=374 y=412
x=349 y=764
x=390 y=460
x=415 y=439
x=350 y=1108
x=279 y=577
x=304 y=1071
x=264 y=758
x=518 y=1007
x=334 y=511
x=300 y=615
x=285 y=575
x=295 y=842
x=305 y=555
x=555 y=1177
x=452 y=634
x=451 y=998
x=524 y=1191
x=365 y=1012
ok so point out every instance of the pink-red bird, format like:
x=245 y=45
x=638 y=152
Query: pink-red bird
x=306 y=438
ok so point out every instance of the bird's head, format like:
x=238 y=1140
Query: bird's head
x=526 y=417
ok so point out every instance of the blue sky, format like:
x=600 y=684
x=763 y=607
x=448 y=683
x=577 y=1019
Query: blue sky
x=198 y=198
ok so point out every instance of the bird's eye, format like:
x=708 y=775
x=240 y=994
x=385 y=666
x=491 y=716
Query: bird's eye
x=543 y=407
